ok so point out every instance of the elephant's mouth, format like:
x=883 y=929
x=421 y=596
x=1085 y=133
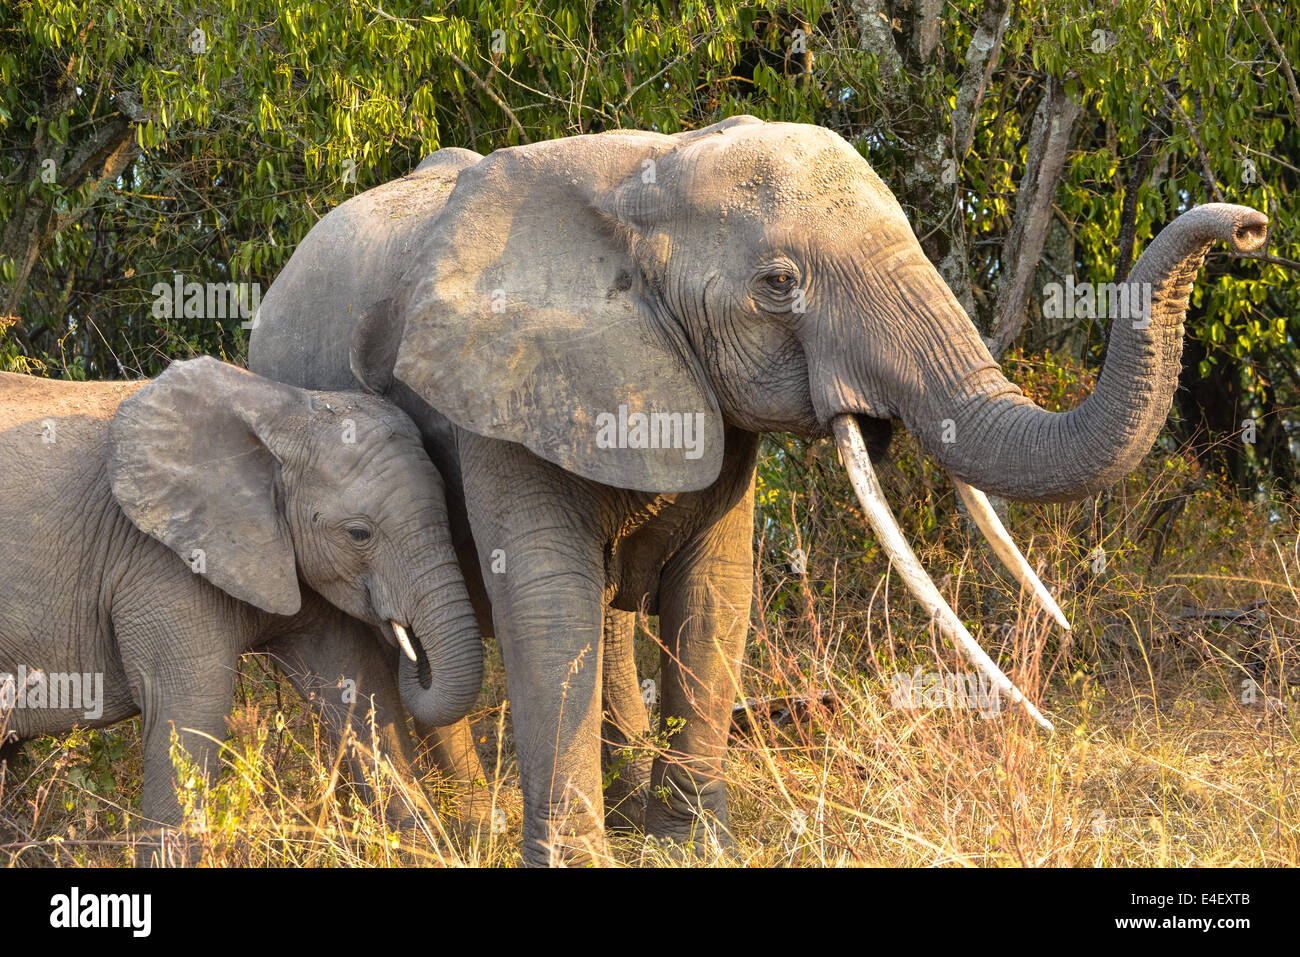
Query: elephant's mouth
x=876 y=433
x=414 y=650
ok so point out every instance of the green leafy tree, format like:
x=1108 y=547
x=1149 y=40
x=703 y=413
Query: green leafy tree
x=145 y=141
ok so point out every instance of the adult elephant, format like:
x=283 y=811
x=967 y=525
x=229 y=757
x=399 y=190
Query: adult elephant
x=593 y=332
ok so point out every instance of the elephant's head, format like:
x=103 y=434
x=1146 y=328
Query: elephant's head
x=257 y=485
x=610 y=301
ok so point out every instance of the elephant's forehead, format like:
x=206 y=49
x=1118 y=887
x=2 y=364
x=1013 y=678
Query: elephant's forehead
x=370 y=409
x=792 y=166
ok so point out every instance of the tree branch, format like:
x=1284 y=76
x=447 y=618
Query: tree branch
x=1284 y=63
x=925 y=29
x=876 y=36
x=981 y=58
x=1206 y=172
x=1128 y=215
x=493 y=95
x=95 y=152
x=1049 y=142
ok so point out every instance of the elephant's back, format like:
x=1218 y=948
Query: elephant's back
x=350 y=260
x=26 y=398
x=53 y=450
x=53 y=437
x=56 y=509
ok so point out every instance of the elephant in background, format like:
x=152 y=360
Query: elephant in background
x=151 y=532
x=592 y=333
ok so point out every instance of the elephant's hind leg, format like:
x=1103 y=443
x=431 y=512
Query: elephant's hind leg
x=625 y=729
x=704 y=610
x=345 y=675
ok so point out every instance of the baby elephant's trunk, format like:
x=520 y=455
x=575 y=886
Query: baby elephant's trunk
x=441 y=669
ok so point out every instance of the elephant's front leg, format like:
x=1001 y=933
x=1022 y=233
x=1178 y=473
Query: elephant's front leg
x=453 y=753
x=704 y=602
x=191 y=702
x=549 y=628
x=539 y=547
x=548 y=623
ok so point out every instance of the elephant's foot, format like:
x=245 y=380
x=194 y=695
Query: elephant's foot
x=574 y=841
x=625 y=812
x=167 y=847
x=465 y=811
x=568 y=850
x=475 y=814
x=709 y=845
x=627 y=793
x=685 y=813
x=398 y=814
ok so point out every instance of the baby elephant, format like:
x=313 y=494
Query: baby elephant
x=151 y=532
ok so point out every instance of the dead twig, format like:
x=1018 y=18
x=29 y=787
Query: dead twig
x=780 y=711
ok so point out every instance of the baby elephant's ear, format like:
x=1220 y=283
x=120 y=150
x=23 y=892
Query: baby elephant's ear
x=190 y=465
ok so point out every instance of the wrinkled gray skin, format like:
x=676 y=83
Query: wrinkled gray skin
x=760 y=275
x=106 y=490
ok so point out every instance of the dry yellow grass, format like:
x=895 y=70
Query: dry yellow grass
x=1177 y=742
x=1157 y=761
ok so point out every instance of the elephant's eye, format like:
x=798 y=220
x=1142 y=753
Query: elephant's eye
x=780 y=280
x=359 y=533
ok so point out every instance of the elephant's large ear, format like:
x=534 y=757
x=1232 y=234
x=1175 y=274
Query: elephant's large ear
x=373 y=352
x=536 y=314
x=190 y=465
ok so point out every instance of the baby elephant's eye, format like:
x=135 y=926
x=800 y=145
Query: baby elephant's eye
x=359 y=533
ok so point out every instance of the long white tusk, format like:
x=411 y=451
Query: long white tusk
x=403 y=639
x=867 y=487
x=977 y=504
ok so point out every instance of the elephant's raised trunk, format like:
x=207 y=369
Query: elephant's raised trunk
x=987 y=433
x=441 y=674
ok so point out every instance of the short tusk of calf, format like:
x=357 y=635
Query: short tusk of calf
x=866 y=486
x=977 y=504
x=403 y=639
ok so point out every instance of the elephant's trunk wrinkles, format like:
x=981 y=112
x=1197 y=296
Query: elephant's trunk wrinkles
x=441 y=676
x=987 y=433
